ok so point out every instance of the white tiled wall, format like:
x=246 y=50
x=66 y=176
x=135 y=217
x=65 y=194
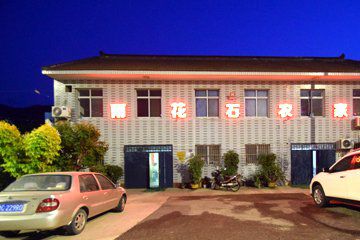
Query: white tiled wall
x=230 y=133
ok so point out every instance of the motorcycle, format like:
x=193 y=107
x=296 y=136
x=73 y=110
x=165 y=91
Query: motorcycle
x=231 y=182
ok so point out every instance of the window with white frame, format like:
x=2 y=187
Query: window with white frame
x=209 y=153
x=207 y=103
x=148 y=102
x=312 y=102
x=253 y=151
x=356 y=102
x=256 y=103
x=90 y=102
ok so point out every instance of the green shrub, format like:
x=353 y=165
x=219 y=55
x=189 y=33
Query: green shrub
x=195 y=168
x=270 y=169
x=99 y=168
x=33 y=152
x=80 y=146
x=231 y=161
x=114 y=172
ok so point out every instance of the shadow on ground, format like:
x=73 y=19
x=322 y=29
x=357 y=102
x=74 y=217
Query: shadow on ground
x=257 y=216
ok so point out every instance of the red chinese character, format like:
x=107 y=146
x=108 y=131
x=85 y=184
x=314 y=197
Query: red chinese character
x=340 y=110
x=233 y=110
x=285 y=110
x=178 y=110
x=118 y=110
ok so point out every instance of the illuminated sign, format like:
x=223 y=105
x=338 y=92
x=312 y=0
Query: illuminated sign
x=118 y=110
x=285 y=110
x=340 y=110
x=178 y=110
x=233 y=110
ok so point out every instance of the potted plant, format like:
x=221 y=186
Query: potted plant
x=270 y=169
x=195 y=169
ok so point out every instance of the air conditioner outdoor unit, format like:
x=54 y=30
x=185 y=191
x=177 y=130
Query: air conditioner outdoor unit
x=345 y=144
x=357 y=122
x=61 y=112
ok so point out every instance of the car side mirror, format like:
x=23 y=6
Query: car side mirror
x=325 y=169
x=118 y=185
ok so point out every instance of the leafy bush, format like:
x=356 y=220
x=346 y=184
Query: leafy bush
x=270 y=170
x=31 y=153
x=195 y=168
x=99 y=168
x=80 y=147
x=231 y=161
x=114 y=172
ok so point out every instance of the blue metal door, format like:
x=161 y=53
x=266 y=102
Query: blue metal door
x=137 y=165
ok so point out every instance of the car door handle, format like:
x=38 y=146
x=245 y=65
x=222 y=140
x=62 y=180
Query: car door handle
x=105 y=193
x=342 y=176
x=85 y=197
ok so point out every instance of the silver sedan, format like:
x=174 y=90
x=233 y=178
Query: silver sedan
x=61 y=199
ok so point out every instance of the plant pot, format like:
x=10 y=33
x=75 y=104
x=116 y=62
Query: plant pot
x=272 y=184
x=194 y=185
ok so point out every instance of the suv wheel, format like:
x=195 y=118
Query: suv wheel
x=319 y=196
x=78 y=223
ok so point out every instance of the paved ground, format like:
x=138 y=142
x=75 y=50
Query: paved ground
x=247 y=216
x=110 y=225
x=284 y=213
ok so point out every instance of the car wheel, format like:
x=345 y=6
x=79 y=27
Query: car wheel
x=121 y=205
x=9 y=234
x=78 y=223
x=319 y=196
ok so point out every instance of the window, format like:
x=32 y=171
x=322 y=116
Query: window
x=90 y=102
x=253 y=151
x=104 y=182
x=356 y=102
x=209 y=153
x=88 y=183
x=207 y=103
x=312 y=102
x=148 y=102
x=256 y=103
x=342 y=165
x=40 y=183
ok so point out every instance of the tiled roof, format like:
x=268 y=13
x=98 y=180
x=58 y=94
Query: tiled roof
x=210 y=63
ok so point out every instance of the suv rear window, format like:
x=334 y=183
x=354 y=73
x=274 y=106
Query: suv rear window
x=40 y=183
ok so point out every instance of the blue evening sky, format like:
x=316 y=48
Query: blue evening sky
x=38 y=33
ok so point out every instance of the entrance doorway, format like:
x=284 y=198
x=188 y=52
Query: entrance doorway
x=137 y=165
x=309 y=159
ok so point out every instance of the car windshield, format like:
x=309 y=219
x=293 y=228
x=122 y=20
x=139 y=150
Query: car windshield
x=40 y=183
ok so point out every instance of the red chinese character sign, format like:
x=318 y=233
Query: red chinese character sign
x=178 y=110
x=232 y=110
x=285 y=110
x=118 y=110
x=340 y=110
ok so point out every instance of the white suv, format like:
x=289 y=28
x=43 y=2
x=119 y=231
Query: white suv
x=340 y=182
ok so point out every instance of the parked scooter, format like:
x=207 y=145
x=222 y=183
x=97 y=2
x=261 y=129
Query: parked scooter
x=232 y=182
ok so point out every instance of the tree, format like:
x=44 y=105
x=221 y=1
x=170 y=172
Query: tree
x=231 y=161
x=30 y=153
x=80 y=146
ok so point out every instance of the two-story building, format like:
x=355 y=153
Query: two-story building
x=295 y=107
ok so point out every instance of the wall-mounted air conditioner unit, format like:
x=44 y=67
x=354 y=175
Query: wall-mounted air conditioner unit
x=344 y=143
x=61 y=112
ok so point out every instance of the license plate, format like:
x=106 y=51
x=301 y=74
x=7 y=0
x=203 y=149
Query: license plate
x=11 y=207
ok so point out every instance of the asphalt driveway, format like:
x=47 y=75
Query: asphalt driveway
x=248 y=216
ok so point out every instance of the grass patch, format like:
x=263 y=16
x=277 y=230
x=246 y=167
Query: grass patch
x=155 y=190
x=301 y=186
